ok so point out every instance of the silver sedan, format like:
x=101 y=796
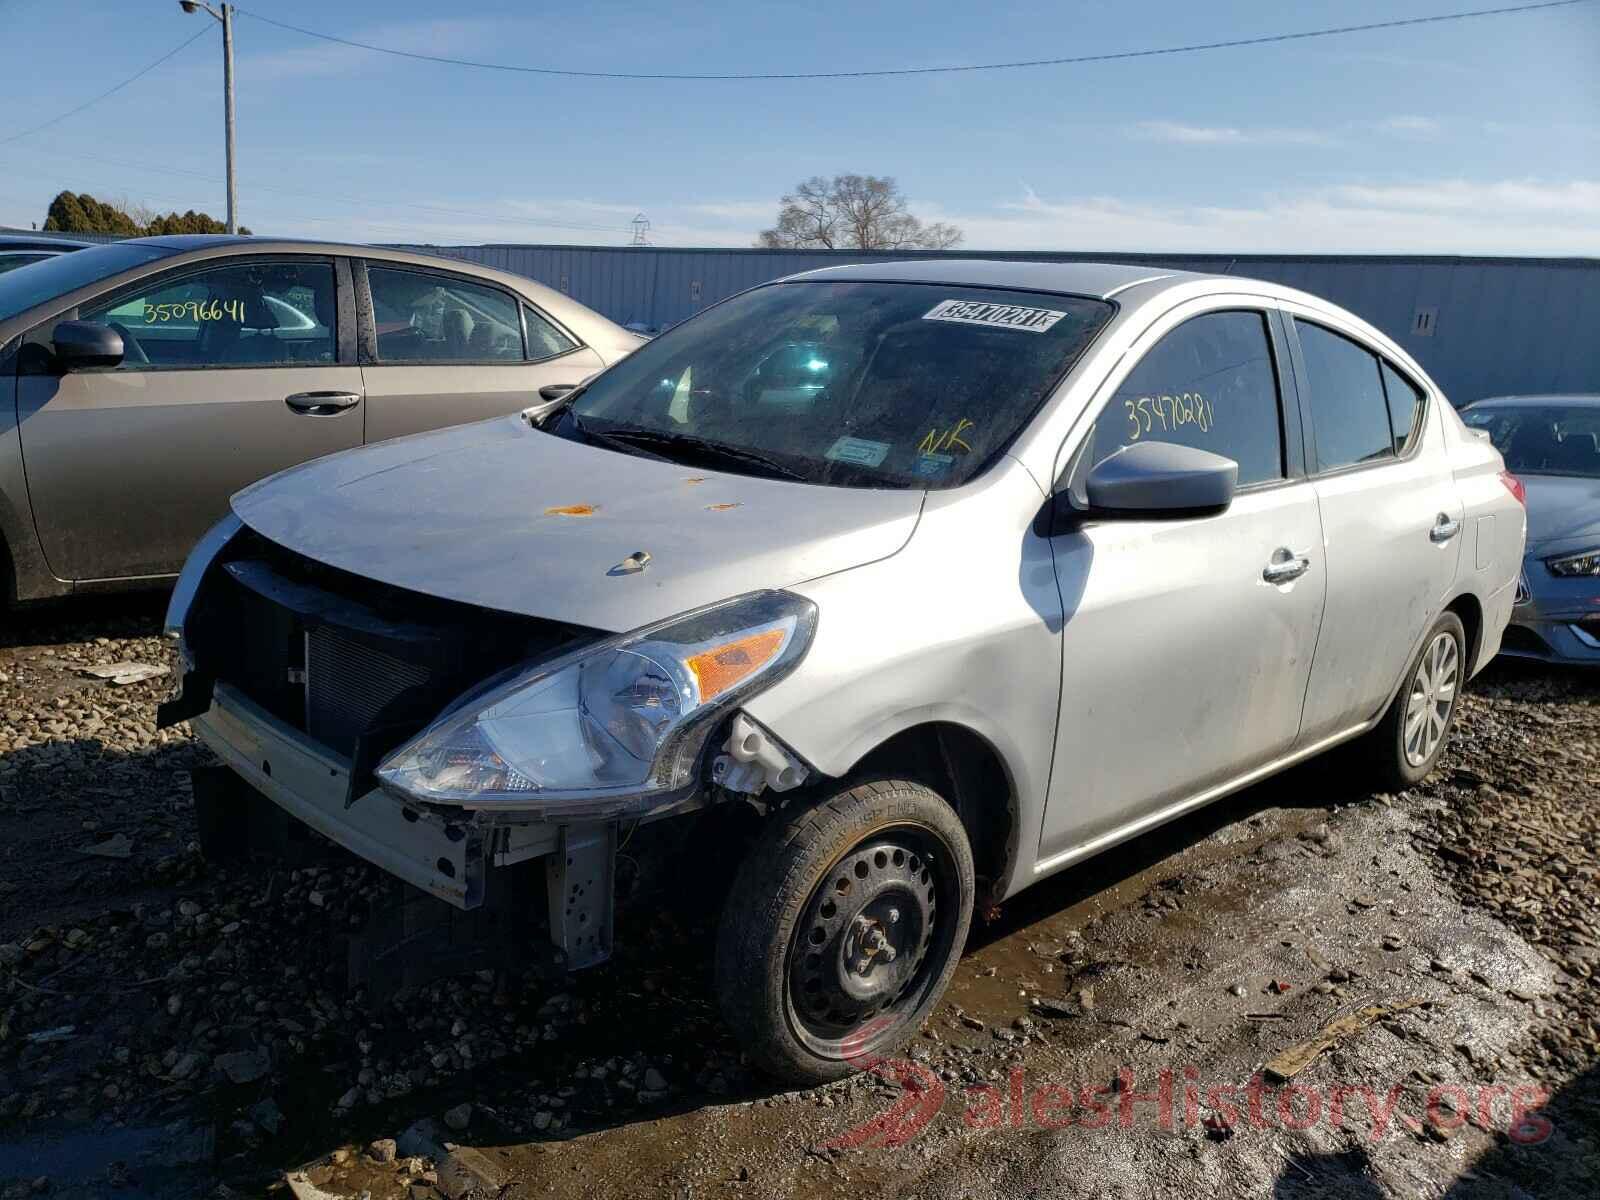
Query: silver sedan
x=1553 y=445
x=958 y=572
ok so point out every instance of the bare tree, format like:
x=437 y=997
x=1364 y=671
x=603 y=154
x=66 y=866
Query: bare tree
x=853 y=212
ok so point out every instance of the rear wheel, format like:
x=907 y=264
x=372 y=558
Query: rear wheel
x=843 y=928
x=1406 y=745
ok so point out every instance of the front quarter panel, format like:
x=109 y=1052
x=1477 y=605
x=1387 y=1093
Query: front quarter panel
x=962 y=626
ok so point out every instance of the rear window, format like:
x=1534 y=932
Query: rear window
x=1350 y=418
x=1542 y=439
x=849 y=384
x=21 y=290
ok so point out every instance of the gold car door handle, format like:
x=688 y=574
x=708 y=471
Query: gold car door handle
x=322 y=404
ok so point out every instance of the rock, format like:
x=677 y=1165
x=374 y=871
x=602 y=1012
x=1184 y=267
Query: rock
x=121 y=674
x=1052 y=1007
x=118 y=845
x=654 y=1080
x=1237 y=989
x=422 y=1139
x=542 y=1119
x=267 y=1116
x=186 y=1065
x=244 y=1066
x=459 y=1117
x=384 y=1150
x=465 y=1170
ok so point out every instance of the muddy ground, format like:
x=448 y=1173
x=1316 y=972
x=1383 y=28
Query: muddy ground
x=172 y=1026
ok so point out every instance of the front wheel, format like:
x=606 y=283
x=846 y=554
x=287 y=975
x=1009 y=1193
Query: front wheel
x=843 y=928
x=1406 y=744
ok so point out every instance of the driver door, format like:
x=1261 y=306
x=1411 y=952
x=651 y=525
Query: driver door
x=1187 y=642
x=232 y=371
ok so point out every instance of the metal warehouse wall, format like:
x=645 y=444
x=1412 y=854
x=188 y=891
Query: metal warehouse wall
x=1480 y=326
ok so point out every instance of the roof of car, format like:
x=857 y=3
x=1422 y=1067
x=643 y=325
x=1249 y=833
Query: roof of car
x=1101 y=280
x=23 y=241
x=1575 y=399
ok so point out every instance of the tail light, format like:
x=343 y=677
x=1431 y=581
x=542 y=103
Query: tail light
x=1515 y=487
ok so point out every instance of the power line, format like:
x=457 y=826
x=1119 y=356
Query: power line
x=72 y=112
x=1073 y=60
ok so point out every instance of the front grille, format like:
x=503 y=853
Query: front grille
x=352 y=687
x=357 y=665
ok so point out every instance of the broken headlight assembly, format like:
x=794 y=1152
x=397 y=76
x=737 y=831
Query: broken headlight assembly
x=612 y=729
x=1569 y=566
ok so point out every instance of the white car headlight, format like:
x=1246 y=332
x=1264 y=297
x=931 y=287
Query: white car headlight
x=612 y=728
x=1585 y=562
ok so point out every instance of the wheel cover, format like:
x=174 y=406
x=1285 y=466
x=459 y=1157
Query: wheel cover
x=873 y=938
x=1430 y=699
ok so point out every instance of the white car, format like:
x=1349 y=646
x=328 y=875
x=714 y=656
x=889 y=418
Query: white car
x=959 y=571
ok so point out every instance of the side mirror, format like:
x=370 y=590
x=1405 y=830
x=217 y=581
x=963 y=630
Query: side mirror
x=1160 y=479
x=79 y=344
x=554 y=391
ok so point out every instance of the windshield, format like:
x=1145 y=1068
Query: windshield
x=851 y=384
x=37 y=282
x=1543 y=439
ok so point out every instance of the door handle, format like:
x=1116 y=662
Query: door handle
x=1444 y=529
x=322 y=404
x=1288 y=569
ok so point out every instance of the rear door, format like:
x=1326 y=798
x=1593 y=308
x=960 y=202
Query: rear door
x=233 y=369
x=440 y=348
x=1391 y=520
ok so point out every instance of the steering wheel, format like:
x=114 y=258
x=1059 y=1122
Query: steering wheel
x=132 y=351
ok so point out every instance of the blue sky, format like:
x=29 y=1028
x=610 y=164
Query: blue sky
x=1476 y=137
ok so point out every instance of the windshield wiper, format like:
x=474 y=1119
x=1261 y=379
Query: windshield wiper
x=653 y=438
x=606 y=437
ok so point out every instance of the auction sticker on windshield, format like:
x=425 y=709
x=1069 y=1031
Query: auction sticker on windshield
x=858 y=451
x=1006 y=316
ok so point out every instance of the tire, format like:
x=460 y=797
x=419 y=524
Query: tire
x=829 y=889
x=1402 y=752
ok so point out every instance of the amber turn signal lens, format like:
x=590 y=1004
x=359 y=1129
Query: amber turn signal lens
x=722 y=667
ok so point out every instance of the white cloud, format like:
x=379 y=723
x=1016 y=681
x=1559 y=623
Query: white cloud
x=1442 y=216
x=1178 y=133
x=1410 y=126
x=1439 y=216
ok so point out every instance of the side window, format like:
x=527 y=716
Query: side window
x=1349 y=415
x=239 y=315
x=1209 y=384
x=544 y=339
x=1405 y=406
x=427 y=318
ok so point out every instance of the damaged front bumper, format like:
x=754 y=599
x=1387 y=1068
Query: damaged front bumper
x=444 y=858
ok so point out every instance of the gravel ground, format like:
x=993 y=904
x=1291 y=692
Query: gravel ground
x=170 y=1026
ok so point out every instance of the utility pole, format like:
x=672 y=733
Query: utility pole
x=226 y=18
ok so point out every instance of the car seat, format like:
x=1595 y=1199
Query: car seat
x=456 y=327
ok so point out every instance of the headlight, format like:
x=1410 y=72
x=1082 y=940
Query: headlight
x=612 y=728
x=1585 y=562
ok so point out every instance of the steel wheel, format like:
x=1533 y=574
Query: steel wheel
x=862 y=943
x=843 y=927
x=1430 y=698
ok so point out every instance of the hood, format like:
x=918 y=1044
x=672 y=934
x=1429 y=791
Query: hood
x=504 y=516
x=1562 y=508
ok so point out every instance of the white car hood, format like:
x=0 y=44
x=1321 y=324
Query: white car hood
x=503 y=516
